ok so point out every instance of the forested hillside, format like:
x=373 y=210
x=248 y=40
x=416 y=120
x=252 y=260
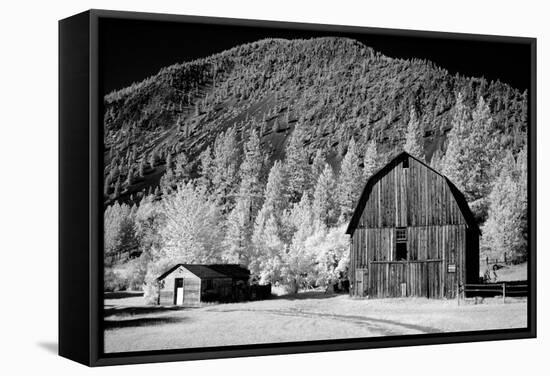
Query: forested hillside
x=256 y=155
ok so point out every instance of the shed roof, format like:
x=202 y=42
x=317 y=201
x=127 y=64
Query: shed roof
x=231 y=270
x=210 y=271
x=360 y=207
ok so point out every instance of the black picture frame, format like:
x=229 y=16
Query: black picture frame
x=80 y=201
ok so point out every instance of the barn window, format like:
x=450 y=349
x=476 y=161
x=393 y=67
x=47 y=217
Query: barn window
x=401 y=243
x=401 y=234
x=406 y=163
x=209 y=284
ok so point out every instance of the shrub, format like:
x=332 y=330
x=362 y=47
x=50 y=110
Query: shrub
x=113 y=281
x=133 y=273
x=151 y=292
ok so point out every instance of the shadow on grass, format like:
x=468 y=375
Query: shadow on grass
x=306 y=295
x=122 y=294
x=146 y=321
x=137 y=310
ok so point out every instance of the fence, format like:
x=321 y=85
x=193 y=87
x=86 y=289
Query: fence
x=504 y=289
x=503 y=259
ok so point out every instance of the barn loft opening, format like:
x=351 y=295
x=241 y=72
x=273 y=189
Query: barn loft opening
x=401 y=243
x=406 y=163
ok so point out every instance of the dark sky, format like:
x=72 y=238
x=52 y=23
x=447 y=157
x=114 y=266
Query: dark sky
x=131 y=50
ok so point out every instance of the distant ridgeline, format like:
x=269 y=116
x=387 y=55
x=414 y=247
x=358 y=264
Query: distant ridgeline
x=336 y=88
x=319 y=115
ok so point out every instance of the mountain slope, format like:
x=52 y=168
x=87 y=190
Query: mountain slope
x=337 y=88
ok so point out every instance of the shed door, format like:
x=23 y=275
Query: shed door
x=178 y=291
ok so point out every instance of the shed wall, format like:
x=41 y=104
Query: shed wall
x=191 y=288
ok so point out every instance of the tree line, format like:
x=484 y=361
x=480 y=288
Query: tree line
x=286 y=220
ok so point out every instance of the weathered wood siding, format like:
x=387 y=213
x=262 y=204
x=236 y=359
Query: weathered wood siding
x=413 y=196
x=420 y=200
x=191 y=288
x=217 y=290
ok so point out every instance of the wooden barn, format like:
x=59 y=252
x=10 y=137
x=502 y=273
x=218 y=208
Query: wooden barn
x=412 y=234
x=191 y=284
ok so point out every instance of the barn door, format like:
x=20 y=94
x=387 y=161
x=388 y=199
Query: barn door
x=178 y=291
x=433 y=279
x=361 y=282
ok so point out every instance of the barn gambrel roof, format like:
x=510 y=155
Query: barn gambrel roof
x=458 y=196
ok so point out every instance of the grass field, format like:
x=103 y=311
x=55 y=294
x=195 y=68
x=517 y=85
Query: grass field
x=512 y=273
x=130 y=326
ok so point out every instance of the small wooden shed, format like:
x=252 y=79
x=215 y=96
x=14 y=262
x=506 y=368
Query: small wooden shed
x=190 y=284
x=412 y=234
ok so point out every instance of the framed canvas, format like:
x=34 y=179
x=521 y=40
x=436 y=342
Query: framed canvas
x=238 y=187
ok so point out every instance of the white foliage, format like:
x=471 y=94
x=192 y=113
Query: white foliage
x=191 y=231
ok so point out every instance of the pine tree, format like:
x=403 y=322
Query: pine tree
x=206 y=168
x=250 y=172
x=263 y=127
x=349 y=183
x=142 y=167
x=276 y=191
x=453 y=162
x=177 y=172
x=297 y=165
x=275 y=127
x=153 y=159
x=317 y=167
x=324 y=212
x=130 y=177
x=414 y=140
x=364 y=137
x=471 y=150
x=238 y=233
x=224 y=169
x=107 y=185
x=117 y=188
x=437 y=160
x=505 y=231
x=182 y=169
x=240 y=221
x=484 y=148
x=268 y=227
x=370 y=160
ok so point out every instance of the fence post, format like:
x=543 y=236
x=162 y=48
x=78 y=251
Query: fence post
x=504 y=293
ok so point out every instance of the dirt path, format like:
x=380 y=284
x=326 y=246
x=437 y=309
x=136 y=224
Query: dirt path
x=382 y=327
x=131 y=327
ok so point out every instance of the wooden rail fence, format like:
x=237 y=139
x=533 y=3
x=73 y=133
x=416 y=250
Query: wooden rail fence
x=503 y=289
